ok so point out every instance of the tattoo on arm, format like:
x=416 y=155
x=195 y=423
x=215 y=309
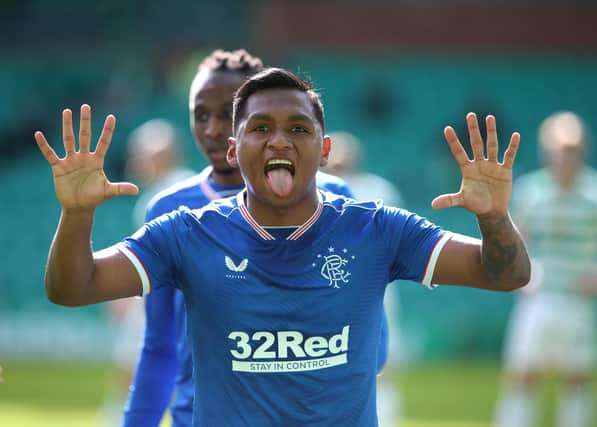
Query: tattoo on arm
x=503 y=252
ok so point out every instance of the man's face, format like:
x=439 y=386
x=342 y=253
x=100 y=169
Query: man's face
x=566 y=161
x=279 y=145
x=210 y=104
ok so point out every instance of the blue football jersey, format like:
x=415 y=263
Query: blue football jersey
x=285 y=324
x=165 y=363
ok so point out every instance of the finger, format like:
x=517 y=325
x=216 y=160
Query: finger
x=106 y=137
x=446 y=201
x=46 y=150
x=85 y=129
x=455 y=146
x=510 y=154
x=68 y=137
x=122 y=189
x=475 y=136
x=492 y=139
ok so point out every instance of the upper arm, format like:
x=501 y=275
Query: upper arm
x=344 y=190
x=334 y=184
x=155 y=374
x=459 y=263
x=413 y=244
x=154 y=253
x=114 y=276
x=160 y=321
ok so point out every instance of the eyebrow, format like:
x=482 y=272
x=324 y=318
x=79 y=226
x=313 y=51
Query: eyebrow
x=293 y=118
x=300 y=118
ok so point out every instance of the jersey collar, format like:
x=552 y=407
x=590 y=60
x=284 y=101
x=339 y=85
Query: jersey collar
x=240 y=199
x=207 y=189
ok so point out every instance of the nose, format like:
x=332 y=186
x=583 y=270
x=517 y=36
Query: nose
x=279 y=140
x=214 y=127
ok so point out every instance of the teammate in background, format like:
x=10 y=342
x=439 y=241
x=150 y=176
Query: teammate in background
x=165 y=364
x=283 y=284
x=345 y=161
x=153 y=161
x=552 y=325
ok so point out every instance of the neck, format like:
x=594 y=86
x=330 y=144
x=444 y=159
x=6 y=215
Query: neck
x=567 y=186
x=566 y=180
x=232 y=179
x=286 y=214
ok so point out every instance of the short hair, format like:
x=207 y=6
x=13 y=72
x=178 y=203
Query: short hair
x=563 y=128
x=239 y=61
x=274 y=78
x=156 y=135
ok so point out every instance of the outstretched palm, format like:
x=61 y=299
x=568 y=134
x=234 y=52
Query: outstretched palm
x=486 y=183
x=79 y=177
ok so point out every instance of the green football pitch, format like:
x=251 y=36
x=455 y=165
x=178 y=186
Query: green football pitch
x=456 y=394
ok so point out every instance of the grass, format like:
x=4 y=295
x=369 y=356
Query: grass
x=437 y=395
x=51 y=394
x=455 y=394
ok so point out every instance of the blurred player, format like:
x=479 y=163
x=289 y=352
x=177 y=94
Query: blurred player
x=283 y=283
x=345 y=161
x=165 y=362
x=153 y=161
x=552 y=325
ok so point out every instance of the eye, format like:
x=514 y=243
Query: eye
x=298 y=129
x=261 y=128
x=201 y=116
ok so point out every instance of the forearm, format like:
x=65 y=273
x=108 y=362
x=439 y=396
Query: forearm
x=70 y=261
x=503 y=253
x=155 y=374
x=151 y=390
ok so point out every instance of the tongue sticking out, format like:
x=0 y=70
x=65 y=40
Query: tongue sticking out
x=280 y=181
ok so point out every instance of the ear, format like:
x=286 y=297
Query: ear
x=325 y=150
x=231 y=153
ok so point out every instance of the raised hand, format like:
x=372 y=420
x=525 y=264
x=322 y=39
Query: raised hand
x=486 y=184
x=79 y=178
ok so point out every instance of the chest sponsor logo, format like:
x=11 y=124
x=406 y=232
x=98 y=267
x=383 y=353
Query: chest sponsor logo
x=287 y=351
x=236 y=270
x=334 y=266
x=242 y=266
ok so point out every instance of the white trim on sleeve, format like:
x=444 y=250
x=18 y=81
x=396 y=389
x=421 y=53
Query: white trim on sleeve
x=145 y=281
x=439 y=245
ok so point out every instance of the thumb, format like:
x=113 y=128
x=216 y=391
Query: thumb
x=122 y=189
x=446 y=201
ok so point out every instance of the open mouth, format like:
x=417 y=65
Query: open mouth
x=279 y=164
x=280 y=176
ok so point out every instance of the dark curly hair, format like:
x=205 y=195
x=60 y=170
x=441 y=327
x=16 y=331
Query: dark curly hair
x=239 y=61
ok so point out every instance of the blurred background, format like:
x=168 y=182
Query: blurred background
x=393 y=73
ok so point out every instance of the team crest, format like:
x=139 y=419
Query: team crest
x=334 y=266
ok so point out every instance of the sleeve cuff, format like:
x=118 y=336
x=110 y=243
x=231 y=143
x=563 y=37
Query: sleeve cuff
x=132 y=257
x=439 y=245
